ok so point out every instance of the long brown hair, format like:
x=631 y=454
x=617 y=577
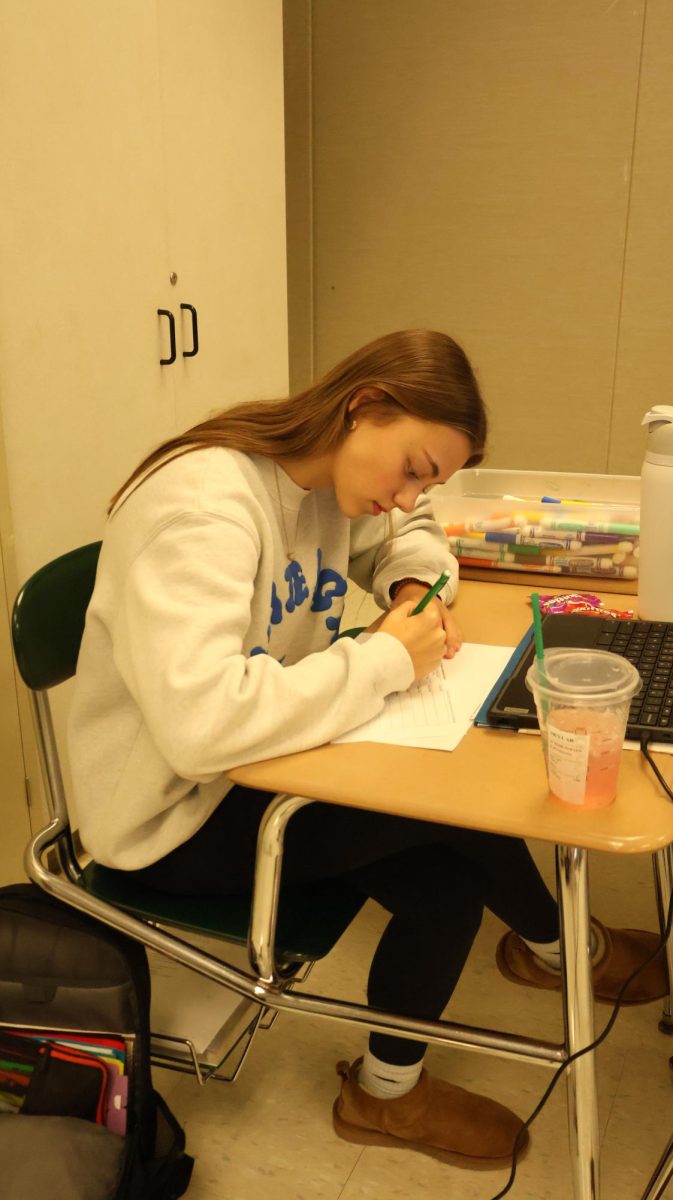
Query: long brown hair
x=418 y=371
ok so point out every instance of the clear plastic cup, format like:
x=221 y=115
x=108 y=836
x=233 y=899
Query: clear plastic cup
x=582 y=699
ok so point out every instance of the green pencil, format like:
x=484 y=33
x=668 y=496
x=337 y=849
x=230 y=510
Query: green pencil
x=429 y=595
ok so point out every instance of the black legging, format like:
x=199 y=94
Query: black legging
x=433 y=879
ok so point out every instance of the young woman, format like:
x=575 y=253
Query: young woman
x=212 y=640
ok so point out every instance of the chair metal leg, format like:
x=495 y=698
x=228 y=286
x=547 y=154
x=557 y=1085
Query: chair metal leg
x=180 y=1054
x=53 y=782
x=578 y=1011
x=663 y=1174
x=662 y=862
x=275 y=995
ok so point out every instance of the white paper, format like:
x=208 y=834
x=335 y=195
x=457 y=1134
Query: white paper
x=436 y=713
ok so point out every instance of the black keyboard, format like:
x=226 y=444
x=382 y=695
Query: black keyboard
x=649 y=646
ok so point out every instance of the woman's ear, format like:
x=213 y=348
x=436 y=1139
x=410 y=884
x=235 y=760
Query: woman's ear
x=364 y=394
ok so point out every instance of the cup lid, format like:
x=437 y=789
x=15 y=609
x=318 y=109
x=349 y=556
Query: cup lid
x=596 y=675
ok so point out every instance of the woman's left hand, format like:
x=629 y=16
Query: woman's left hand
x=453 y=634
x=416 y=592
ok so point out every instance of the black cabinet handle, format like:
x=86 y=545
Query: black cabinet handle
x=164 y=312
x=195 y=331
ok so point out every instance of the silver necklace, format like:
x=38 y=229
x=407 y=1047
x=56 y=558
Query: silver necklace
x=289 y=554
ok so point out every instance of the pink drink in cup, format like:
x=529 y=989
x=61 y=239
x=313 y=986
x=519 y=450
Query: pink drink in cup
x=582 y=699
x=599 y=736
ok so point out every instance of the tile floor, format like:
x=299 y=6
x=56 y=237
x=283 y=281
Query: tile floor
x=269 y=1136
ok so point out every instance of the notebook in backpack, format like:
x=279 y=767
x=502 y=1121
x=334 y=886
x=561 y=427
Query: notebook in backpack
x=74 y=1013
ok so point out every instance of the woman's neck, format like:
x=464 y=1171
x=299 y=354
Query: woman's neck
x=308 y=473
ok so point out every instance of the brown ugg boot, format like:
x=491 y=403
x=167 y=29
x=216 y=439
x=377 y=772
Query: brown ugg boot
x=623 y=951
x=435 y=1117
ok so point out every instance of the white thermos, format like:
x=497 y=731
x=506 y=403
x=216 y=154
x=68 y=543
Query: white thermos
x=655 y=573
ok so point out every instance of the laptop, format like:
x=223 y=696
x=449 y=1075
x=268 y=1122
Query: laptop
x=647 y=644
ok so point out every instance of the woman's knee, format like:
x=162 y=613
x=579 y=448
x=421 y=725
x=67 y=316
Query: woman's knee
x=430 y=885
x=460 y=918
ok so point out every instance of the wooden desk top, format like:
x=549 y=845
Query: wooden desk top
x=494 y=780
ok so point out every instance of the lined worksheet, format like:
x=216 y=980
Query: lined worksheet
x=436 y=713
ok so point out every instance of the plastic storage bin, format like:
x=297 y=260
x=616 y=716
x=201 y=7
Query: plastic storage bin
x=586 y=528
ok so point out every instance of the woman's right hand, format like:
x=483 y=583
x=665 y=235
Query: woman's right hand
x=422 y=636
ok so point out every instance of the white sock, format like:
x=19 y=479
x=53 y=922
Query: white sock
x=550 y=952
x=387 y=1080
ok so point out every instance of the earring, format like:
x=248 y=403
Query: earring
x=353 y=425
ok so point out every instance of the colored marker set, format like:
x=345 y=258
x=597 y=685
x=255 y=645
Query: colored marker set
x=562 y=543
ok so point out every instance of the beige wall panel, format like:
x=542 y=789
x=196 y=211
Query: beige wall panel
x=471 y=166
x=645 y=355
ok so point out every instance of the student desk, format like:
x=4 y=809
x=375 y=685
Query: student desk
x=494 y=781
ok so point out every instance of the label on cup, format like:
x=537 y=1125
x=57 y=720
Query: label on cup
x=567 y=763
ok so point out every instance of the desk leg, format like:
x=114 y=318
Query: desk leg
x=578 y=1011
x=663 y=881
x=663 y=1174
x=266 y=892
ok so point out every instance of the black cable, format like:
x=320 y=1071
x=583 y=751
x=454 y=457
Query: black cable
x=644 y=742
x=644 y=749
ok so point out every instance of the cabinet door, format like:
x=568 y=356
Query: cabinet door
x=83 y=265
x=223 y=113
x=15 y=822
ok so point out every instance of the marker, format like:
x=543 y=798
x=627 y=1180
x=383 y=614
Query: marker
x=545 y=500
x=589 y=537
x=598 y=566
x=544 y=534
x=554 y=500
x=494 y=564
x=509 y=536
x=430 y=595
x=610 y=548
x=524 y=518
x=580 y=564
x=498 y=564
x=462 y=552
x=460 y=546
x=491 y=549
x=592 y=527
x=489 y=524
x=542 y=540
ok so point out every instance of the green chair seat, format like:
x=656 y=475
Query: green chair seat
x=311 y=917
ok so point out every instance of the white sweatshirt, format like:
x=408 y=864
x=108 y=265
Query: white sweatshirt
x=205 y=648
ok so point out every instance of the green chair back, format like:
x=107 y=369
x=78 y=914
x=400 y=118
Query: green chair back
x=48 y=617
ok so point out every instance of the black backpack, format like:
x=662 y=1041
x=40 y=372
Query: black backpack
x=62 y=971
